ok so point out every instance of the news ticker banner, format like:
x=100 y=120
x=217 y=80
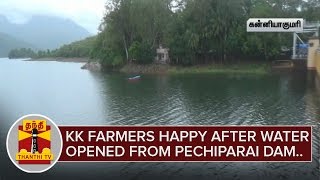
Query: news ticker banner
x=35 y=143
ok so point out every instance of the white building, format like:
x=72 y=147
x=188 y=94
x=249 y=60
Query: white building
x=162 y=55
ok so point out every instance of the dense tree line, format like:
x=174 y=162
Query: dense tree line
x=21 y=53
x=195 y=31
x=80 y=49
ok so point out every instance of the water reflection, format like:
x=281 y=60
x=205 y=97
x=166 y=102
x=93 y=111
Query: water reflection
x=272 y=99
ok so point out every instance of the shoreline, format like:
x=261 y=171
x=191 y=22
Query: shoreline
x=166 y=69
x=197 y=69
x=61 y=59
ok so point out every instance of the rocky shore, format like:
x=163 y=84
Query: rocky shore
x=92 y=66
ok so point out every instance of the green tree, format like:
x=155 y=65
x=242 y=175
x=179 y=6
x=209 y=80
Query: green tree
x=195 y=31
x=21 y=53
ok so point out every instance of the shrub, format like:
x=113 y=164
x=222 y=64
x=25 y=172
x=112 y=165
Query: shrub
x=141 y=52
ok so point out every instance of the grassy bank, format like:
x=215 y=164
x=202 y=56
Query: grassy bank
x=200 y=69
x=145 y=69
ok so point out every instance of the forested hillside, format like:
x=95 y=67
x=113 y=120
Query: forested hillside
x=80 y=48
x=8 y=42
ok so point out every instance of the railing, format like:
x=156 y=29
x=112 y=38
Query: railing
x=308 y=27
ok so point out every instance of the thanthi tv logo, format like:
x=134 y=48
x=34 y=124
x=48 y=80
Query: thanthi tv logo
x=34 y=143
x=35 y=136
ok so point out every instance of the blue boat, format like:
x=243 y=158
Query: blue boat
x=134 y=78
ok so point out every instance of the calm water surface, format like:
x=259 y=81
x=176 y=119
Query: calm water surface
x=71 y=96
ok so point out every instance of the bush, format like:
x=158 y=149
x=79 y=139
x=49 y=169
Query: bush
x=117 y=61
x=141 y=52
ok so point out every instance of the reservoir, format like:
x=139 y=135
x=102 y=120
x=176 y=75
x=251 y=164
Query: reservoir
x=71 y=96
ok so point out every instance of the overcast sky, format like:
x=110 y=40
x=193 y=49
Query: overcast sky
x=87 y=13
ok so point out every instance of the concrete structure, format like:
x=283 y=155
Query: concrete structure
x=304 y=51
x=317 y=60
x=312 y=53
x=162 y=55
x=308 y=27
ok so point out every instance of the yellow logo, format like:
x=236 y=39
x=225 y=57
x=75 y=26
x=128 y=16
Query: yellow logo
x=34 y=138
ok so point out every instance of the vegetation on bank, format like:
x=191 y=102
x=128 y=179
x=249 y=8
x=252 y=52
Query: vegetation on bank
x=260 y=68
x=197 y=32
x=78 y=49
x=222 y=69
x=8 y=43
x=21 y=53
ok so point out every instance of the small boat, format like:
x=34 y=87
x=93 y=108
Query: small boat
x=134 y=78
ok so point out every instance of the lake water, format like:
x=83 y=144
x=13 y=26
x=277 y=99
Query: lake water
x=71 y=96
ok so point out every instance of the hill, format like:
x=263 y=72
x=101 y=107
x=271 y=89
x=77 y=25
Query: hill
x=45 y=32
x=80 y=48
x=8 y=43
x=77 y=49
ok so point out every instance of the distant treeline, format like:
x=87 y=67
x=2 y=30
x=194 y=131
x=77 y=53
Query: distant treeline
x=21 y=53
x=195 y=31
x=81 y=48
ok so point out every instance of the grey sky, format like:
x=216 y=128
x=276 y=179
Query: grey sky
x=87 y=13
